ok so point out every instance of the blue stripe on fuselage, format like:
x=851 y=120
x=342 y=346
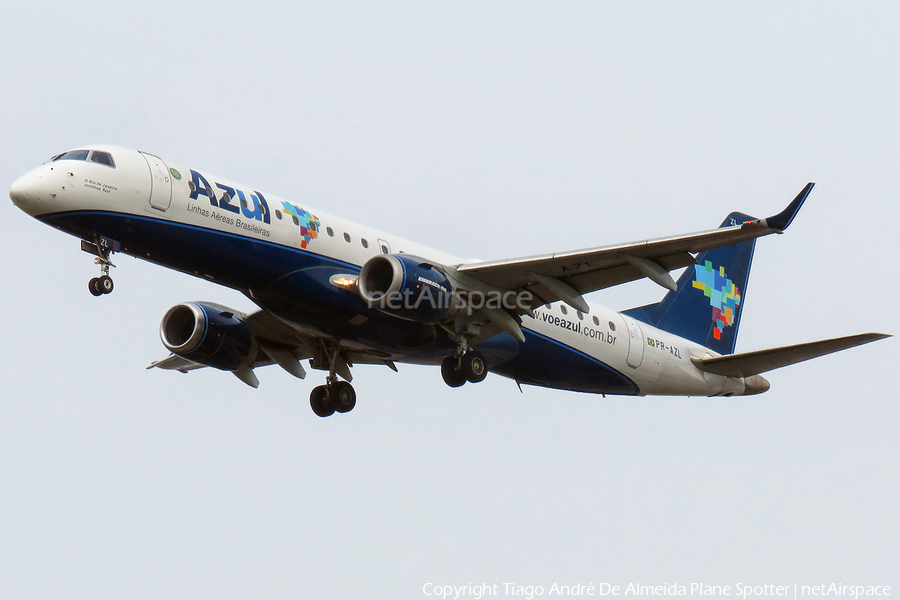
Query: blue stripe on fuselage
x=547 y=362
x=292 y=283
x=295 y=284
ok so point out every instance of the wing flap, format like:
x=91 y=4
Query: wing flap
x=173 y=362
x=746 y=364
x=623 y=273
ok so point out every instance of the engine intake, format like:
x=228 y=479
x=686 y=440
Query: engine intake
x=407 y=287
x=208 y=334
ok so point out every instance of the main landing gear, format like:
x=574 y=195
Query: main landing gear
x=334 y=396
x=462 y=367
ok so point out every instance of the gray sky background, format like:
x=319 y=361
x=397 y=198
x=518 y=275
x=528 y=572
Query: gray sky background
x=488 y=130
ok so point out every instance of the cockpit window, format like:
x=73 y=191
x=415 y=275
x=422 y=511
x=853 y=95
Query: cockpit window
x=72 y=155
x=96 y=156
x=104 y=158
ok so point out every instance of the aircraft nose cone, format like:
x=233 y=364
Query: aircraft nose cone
x=18 y=192
x=25 y=192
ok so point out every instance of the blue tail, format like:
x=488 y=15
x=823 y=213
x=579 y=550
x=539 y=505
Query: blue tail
x=707 y=306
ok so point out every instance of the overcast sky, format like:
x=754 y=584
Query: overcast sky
x=488 y=130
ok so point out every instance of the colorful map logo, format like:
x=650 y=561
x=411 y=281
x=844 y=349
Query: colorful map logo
x=724 y=296
x=308 y=222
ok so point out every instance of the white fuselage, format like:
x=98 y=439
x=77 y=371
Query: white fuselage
x=657 y=362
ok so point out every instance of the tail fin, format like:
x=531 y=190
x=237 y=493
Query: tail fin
x=707 y=306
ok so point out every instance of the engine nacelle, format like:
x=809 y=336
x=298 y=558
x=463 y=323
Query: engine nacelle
x=208 y=334
x=408 y=287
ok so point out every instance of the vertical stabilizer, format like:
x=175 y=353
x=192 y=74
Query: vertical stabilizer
x=706 y=308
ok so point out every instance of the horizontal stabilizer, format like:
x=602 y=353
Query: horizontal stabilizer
x=746 y=364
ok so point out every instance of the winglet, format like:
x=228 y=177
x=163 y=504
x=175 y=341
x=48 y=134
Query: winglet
x=784 y=218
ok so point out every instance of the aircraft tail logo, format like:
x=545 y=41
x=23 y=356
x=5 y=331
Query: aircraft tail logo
x=710 y=318
x=724 y=296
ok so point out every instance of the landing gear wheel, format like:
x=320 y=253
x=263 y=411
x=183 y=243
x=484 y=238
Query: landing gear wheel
x=105 y=284
x=319 y=401
x=94 y=286
x=473 y=367
x=342 y=396
x=103 y=248
x=451 y=376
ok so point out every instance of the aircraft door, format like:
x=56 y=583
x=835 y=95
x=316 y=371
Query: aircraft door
x=160 y=182
x=384 y=246
x=635 y=343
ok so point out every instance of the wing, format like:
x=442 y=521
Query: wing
x=567 y=275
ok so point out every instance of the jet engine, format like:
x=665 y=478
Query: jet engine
x=408 y=287
x=208 y=334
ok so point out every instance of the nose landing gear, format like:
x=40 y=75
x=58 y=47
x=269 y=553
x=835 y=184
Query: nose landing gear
x=103 y=284
x=102 y=249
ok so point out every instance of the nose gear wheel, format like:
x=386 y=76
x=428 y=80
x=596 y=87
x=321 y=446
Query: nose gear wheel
x=99 y=286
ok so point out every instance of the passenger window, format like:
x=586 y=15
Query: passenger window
x=277 y=214
x=563 y=309
x=73 y=155
x=295 y=220
x=612 y=326
x=596 y=321
x=104 y=158
x=330 y=231
x=580 y=315
x=347 y=237
x=364 y=242
x=385 y=249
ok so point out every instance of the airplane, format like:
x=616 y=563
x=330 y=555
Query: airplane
x=338 y=294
